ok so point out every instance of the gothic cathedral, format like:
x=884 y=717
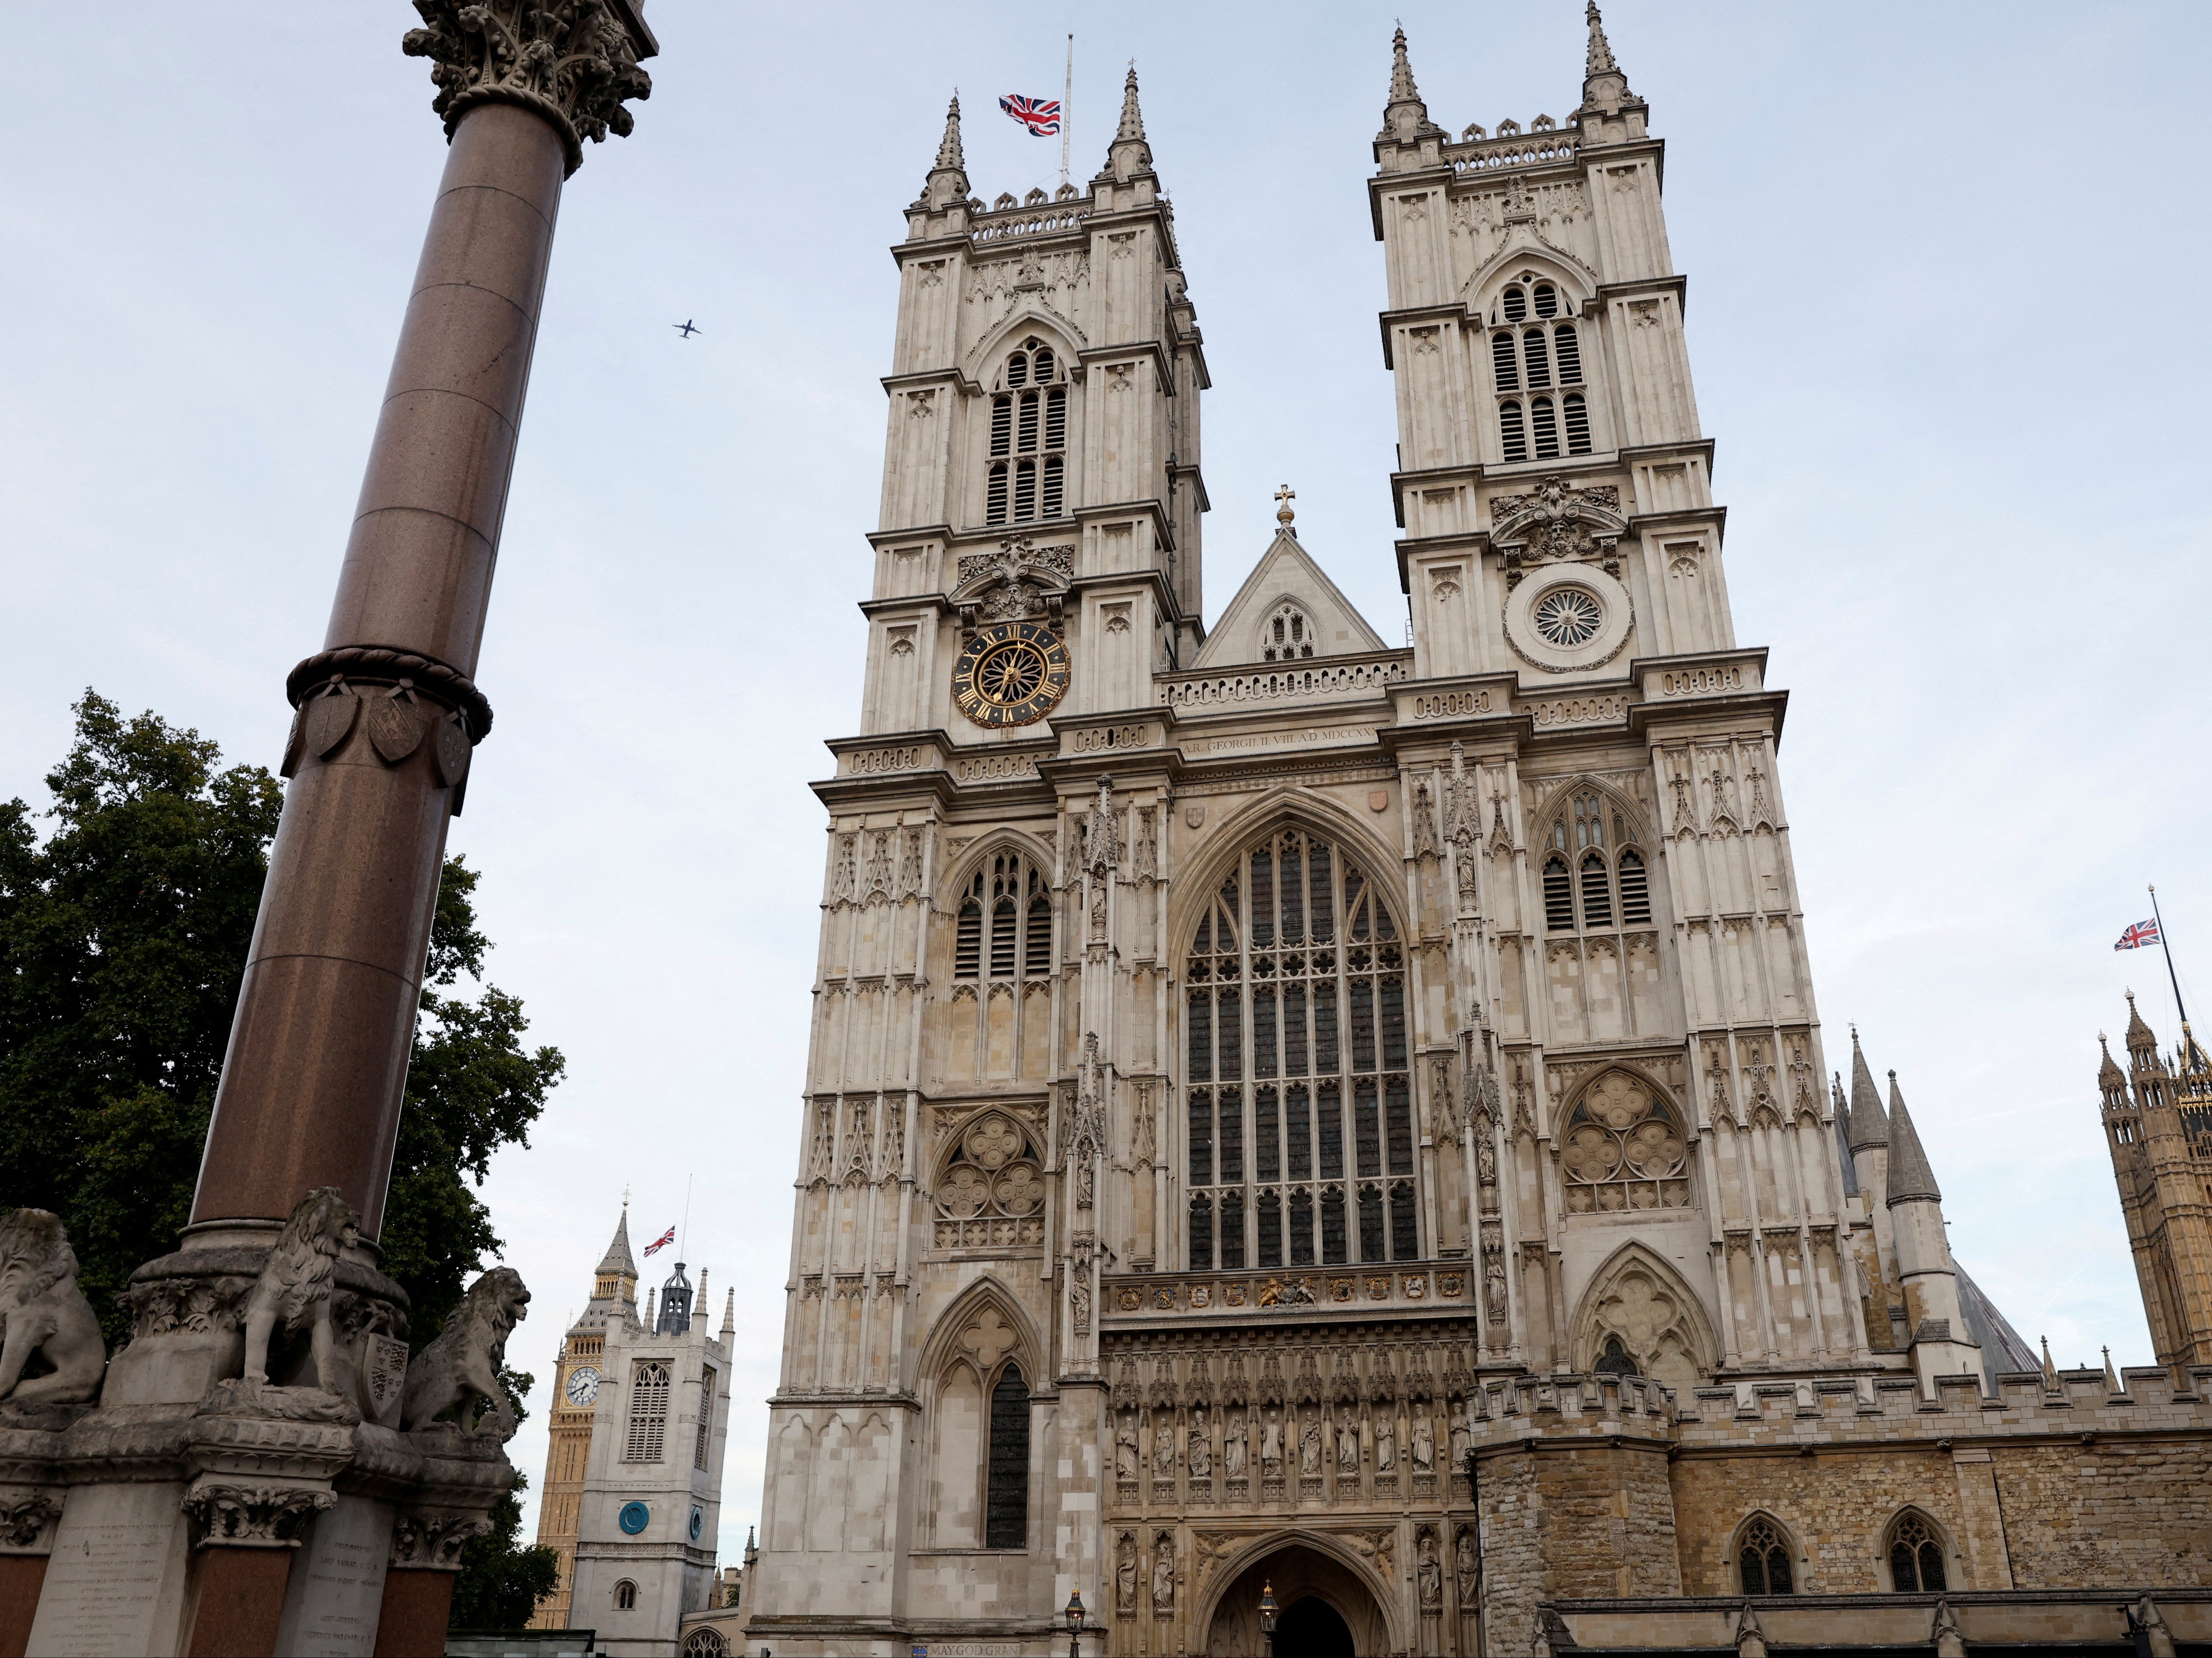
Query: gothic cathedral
x=1292 y=1115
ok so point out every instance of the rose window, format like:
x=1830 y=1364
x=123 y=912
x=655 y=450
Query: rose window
x=991 y=1194
x=1624 y=1149
x=1569 y=616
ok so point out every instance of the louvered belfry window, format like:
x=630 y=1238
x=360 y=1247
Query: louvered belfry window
x=1008 y=900
x=1298 y=1097
x=1542 y=352
x=1028 y=479
x=706 y=1435
x=1595 y=878
x=648 y=1413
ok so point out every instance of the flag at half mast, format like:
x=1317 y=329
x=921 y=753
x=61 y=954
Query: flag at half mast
x=662 y=1241
x=1040 y=115
x=2142 y=933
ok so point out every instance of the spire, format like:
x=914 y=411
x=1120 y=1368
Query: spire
x=1402 y=90
x=2111 y=1382
x=2140 y=1041
x=1600 y=61
x=617 y=1257
x=2109 y=1075
x=1909 y=1177
x=1869 y=1127
x=729 y=1313
x=1129 y=154
x=1843 y=1108
x=948 y=148
x=1405 y=117
x=947 y=182
x=2049 y=1370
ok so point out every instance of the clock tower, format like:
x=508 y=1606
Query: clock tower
x=576 y=1375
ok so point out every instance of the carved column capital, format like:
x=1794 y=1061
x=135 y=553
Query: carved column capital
x=253 y=1517
x=431 y=1541
x=574 y=62
x=26 y=1521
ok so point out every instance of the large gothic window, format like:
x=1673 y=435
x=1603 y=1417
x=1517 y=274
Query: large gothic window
x=1029 y=438
x=648 y=1413
x=1299 y=1090
x=991 y=1195
x=1762 y=1558
x=1915 y=1555
x=1624 y=1149
x=1004 y=926
x=1595 y=877
x=1006 y=1499
x=1535 y=360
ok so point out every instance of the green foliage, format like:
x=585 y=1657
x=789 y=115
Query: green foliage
x=122 y=940
x=502 y=1579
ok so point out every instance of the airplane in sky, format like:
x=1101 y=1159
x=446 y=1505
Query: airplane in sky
x=687 y=328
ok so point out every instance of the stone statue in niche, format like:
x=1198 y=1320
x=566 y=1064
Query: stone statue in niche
x=460 y=1369
x=1493 y=1299
x=296 y=1286
x=1462 y=1438
x=1164 y=1572
x=1164 y=1447
x=1463 y=1566
x=1125 y=1451
x=45 y=1315
x=1233 y=1448
x=1486 y=1162
x=1309 y=1449
x=1079 y=1295
x=1125 y=1573
x=1424 y=1442
x=1200 y=1457
x=1385 y=1444
x=1347 y=1447
x=1271 y=1442
x=1429 y=1573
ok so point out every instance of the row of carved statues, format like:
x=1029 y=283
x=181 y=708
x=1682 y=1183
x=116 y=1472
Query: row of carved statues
x=51 y=1352
x=1306 y=1440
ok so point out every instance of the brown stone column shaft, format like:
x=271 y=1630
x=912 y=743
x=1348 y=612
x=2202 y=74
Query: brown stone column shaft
x=416 y=1607
x=318 y=1049
x=238 y=1596
x=21 y=1577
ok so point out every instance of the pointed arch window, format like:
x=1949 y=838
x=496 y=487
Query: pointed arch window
x=1624 y=1149
x=648 y=1413
x=1028 y=476
x=1763 y=1560
x=1540 y=350
x=1006 y=1495
x=990 y=1194
x=1009 y=902
x=1287 y=635
x=1594 y=877
x=1915 y=1555
x=1297 y=1036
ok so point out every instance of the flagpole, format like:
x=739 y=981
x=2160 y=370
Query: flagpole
x=2188 y=1040
x=1066 y=110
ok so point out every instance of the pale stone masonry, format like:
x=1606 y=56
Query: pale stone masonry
x=1257 y=1074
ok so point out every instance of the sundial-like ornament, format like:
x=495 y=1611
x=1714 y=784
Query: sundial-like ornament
x=1010 y=673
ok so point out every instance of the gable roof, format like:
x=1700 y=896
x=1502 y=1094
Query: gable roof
x=1287 y=571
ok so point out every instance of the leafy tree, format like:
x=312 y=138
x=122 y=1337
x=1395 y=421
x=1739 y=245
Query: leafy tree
x=502 y=1579
x=122 y=939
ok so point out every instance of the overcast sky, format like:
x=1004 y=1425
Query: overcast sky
x=1944 y=316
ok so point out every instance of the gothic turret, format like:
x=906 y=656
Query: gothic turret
x=674 y=1317
x=1405 y=117
x=1610 y=113
x=1129 y=156
x=2151 y=1119
x=948 y=178
x=614 y=1279
x=1942 y=1343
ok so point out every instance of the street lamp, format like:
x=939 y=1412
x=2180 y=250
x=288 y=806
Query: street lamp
x=1267 y=1618
x=1074 y=1621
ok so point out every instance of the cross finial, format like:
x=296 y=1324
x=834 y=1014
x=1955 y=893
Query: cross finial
x=1285 y=496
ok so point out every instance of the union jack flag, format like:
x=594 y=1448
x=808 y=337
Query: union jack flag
x=1040 y=115
x=662 y=1241
x=2142 y=933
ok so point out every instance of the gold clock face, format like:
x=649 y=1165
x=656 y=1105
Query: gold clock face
x=1010 y=673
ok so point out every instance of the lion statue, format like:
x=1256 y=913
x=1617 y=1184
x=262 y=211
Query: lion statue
x=295 y=1288
x=461 y=1366
x=44 y=1315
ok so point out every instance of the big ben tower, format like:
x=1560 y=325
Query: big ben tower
x=1246 y=1063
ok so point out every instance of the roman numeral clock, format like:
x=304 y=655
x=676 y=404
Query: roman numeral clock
x=1013 y=666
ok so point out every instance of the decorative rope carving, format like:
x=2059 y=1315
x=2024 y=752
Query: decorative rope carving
x=383 y=663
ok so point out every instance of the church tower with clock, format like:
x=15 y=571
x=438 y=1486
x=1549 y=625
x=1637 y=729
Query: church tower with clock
x=1254 y=1071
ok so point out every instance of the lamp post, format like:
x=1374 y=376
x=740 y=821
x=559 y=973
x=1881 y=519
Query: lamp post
x=1267 y=1618
x=1074 y=1621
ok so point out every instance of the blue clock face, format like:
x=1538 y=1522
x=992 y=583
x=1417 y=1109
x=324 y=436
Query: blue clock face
x=635 y=1518
x=698 y=1522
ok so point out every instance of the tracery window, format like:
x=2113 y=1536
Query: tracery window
x=1298 y=1089
x=1006 y=1496
x=1287 y=635
x=1594 y=869
x=1624 y=1149
x=992 y=1191
x=625 y=1595
x=1010 y=900
x=648 y=1413
x=1541 y=357
x=1029 y=438
x=1915 y=1555
x=706 y=1642
x=1763 y=1560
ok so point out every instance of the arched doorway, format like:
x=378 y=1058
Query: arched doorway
x=1326 y=1610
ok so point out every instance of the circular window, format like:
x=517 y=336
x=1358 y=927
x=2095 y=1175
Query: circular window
x=698 y=1522
x=1568 y=617
x=634 y=1518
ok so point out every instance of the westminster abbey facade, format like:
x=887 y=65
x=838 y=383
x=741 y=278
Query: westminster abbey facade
x=1289 y=1109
